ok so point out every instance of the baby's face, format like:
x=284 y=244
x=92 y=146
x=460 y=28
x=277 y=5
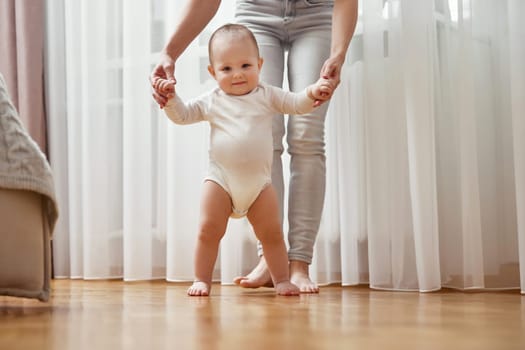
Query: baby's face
x=235 y=64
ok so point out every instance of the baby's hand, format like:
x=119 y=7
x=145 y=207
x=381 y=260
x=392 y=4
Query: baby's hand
x=164 y=87
x=321 y=91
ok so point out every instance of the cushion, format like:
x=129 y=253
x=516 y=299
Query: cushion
x=25 y=259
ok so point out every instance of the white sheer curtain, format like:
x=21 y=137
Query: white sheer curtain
x=425 y=148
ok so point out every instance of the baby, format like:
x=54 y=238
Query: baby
x=240 y=112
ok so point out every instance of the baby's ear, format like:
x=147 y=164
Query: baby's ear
x=260 y=63
x=211 y=70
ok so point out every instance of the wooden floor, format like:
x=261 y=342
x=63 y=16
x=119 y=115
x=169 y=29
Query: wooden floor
x=158 y=315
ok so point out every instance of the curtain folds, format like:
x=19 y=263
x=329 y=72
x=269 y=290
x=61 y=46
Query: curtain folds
x=425 y=148
x=21 y=62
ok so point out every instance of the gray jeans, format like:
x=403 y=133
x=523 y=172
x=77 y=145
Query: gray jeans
x=303 y=29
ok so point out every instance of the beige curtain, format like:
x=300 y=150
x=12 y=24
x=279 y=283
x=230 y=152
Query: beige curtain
x=21 y=61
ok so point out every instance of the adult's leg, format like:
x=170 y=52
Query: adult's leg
x=306 y=146
x=216 y=208
x=266 y=27
x=272 y=51
x=263 y=215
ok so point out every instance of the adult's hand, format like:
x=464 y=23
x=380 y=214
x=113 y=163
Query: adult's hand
x=331 y=71
x=165 y=69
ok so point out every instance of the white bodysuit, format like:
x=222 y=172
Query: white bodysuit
x=241 y=145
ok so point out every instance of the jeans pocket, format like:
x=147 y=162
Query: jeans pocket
x=318 y=2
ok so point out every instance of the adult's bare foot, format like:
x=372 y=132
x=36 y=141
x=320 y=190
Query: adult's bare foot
x=199 y=289
x=286 y=288
x=299 y=276
x=258 y=277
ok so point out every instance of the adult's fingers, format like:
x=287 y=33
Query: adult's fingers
x=332 y=74
x=331 y=71
x=156 y=73
x=160 y=99
x=169 y=71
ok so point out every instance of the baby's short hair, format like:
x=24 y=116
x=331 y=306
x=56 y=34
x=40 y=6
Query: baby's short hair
x=232 y=29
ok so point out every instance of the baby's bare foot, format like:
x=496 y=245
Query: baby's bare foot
x=199 y=288
x=259 y=277
x=299 y=276
x=286 y=288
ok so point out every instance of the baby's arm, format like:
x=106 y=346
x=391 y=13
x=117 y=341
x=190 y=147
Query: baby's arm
x=193 y=111
x=303 y=102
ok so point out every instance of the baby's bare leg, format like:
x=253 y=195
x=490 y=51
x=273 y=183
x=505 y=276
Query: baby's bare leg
x=215 y=210
x=264 y=217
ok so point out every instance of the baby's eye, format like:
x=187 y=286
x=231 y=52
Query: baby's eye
x=246 y=65
x=226 y=69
